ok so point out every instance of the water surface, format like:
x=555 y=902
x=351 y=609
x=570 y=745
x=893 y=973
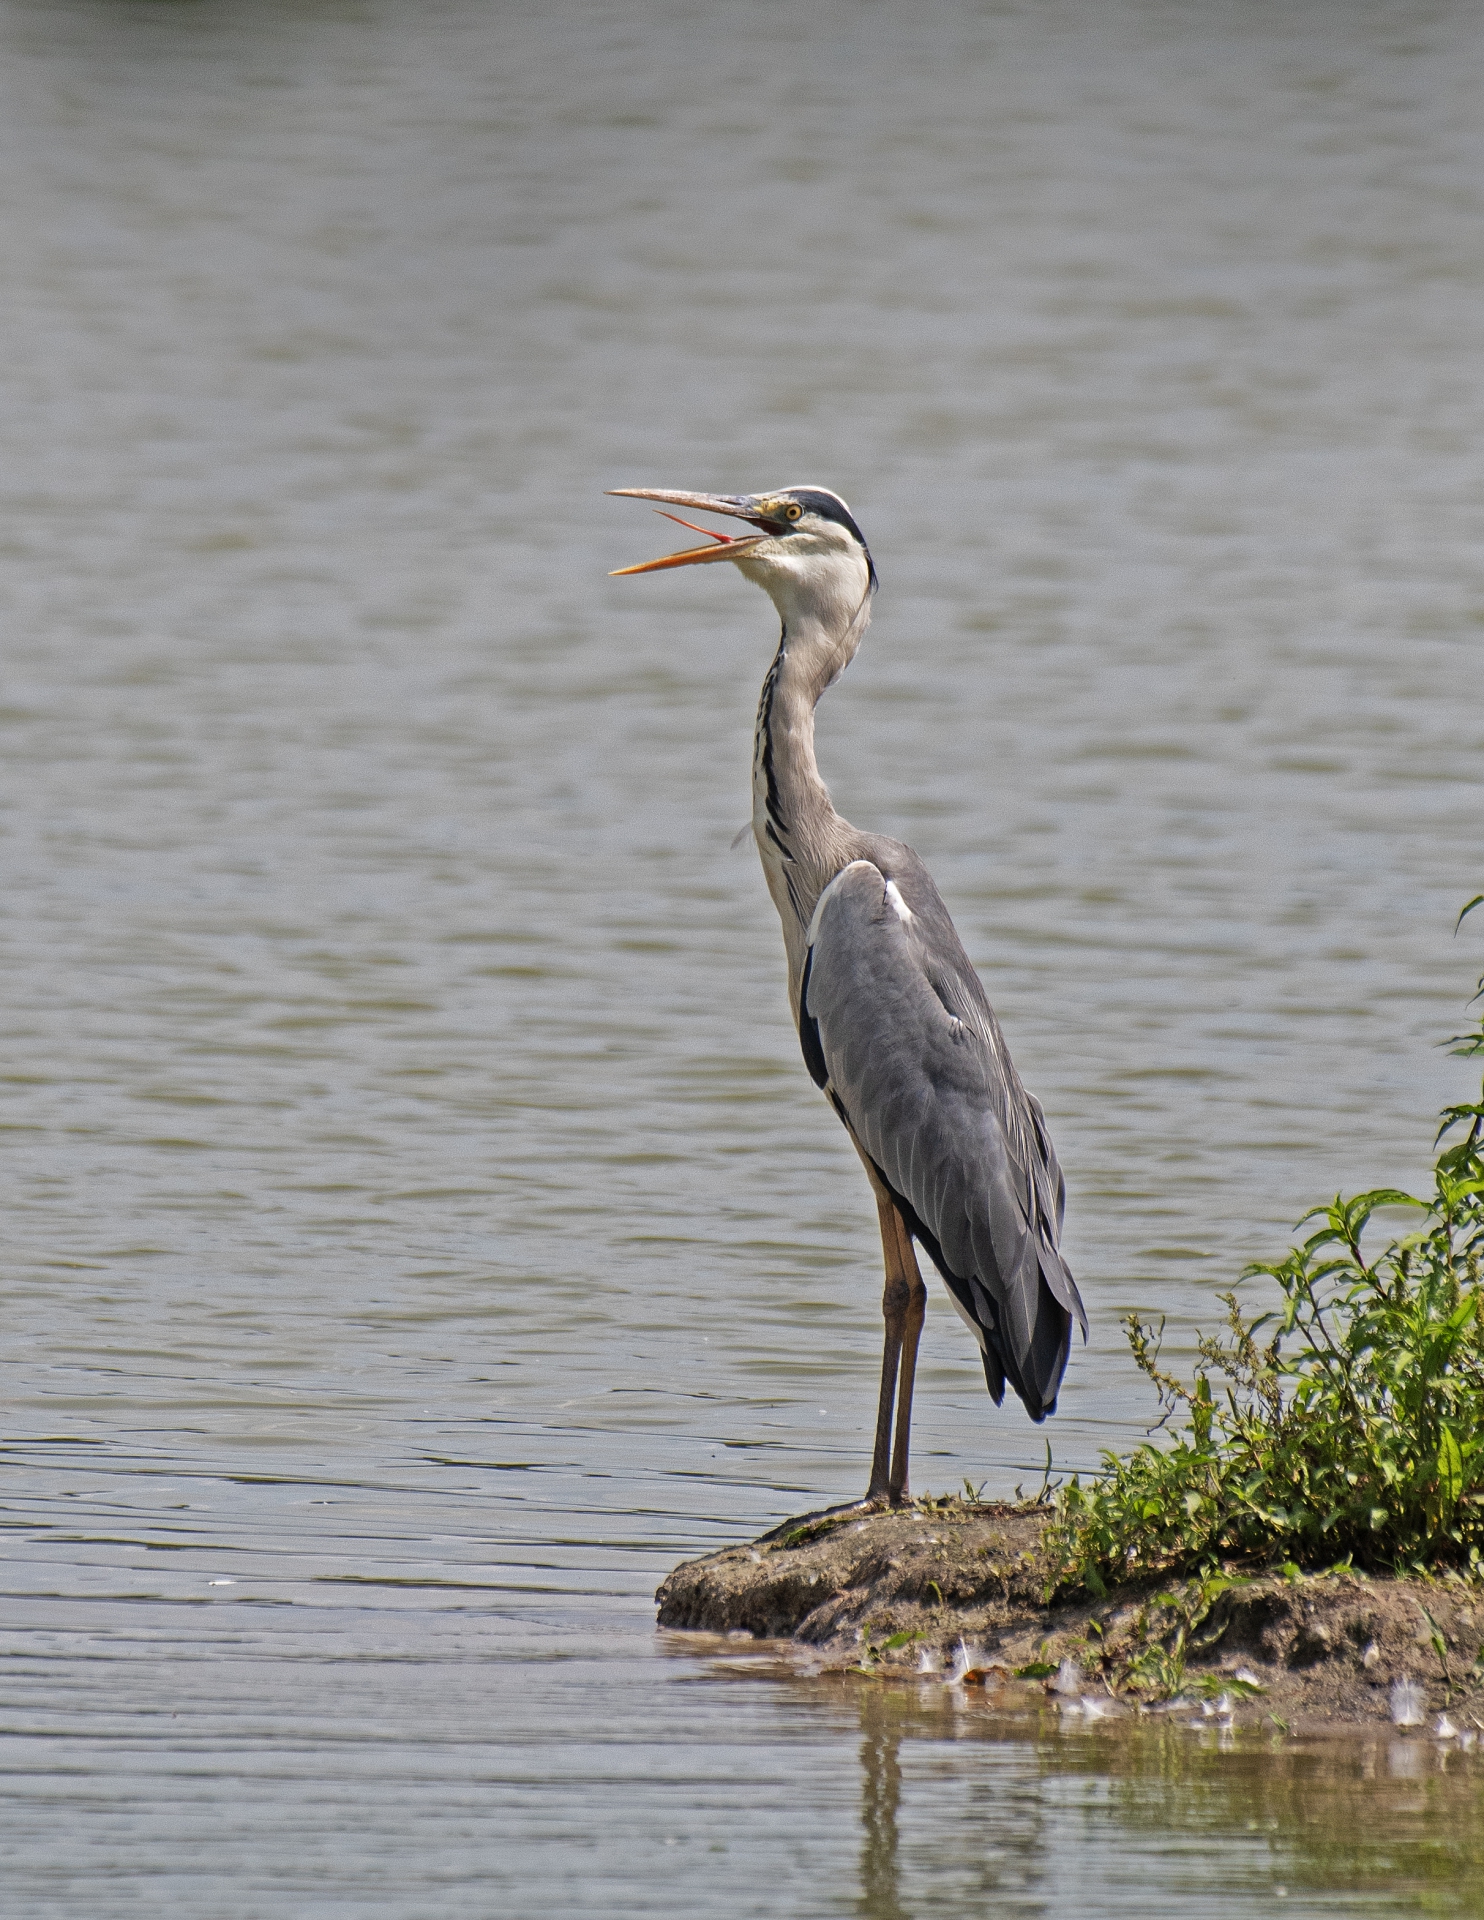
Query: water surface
x=421 y=1229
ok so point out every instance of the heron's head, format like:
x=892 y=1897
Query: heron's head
x=807 y=553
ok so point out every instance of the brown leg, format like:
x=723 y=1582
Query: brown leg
x=903 y=1302
x=911 y=1334
x=893 y=1311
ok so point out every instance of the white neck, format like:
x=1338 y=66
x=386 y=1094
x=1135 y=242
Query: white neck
x=802 y=840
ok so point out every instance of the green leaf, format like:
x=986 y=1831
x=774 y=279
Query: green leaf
x=1478 y=900
x=1037 y=1670
x=1210 y=1686
x=1390 y=1197
x=1449 y=1468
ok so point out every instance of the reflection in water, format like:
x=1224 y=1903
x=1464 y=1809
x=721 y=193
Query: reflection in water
x=881 y=1794
x=1374 y=1820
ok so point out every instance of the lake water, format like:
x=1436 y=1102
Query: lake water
x=421 y=1229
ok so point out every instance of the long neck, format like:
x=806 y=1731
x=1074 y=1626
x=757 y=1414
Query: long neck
x=802 y=840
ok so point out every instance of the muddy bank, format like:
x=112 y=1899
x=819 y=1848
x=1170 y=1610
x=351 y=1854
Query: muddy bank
x=1309 y=1653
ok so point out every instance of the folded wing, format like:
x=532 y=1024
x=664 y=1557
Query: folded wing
x=896 y=1028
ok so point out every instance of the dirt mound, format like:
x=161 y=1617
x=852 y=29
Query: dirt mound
x=1311 y=1651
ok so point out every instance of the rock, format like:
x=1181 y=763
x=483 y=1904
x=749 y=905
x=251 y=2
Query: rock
x=822 y=1582
x=1322 y=1650
x=1312 y=1643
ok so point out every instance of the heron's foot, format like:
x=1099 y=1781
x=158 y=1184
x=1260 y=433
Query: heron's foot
x=810 y=1525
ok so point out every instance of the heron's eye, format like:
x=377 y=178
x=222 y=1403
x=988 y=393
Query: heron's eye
x=793 y=511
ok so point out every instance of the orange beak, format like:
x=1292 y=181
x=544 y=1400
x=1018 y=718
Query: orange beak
x=725 y=546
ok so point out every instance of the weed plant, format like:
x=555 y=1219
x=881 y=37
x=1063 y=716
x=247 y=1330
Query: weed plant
x=1346 y=1425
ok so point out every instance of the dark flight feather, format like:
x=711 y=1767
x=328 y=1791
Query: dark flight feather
x=896 y=1016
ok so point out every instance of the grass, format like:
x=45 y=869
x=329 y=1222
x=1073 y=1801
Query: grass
x=1347 y=1424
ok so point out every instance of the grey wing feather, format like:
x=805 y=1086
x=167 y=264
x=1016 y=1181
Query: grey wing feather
x=903 y=1037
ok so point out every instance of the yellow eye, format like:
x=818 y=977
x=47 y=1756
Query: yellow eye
x=793 y=511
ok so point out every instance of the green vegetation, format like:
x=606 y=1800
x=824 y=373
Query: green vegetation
x=873 y=1652
x=1167 y=1630
x=1346 y=1425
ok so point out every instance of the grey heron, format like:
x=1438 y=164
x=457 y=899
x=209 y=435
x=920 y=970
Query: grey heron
x=894 y=1023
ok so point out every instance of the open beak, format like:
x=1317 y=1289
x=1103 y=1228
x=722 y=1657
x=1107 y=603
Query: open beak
x=724 y=546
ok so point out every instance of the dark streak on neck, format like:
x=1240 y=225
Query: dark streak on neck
x=777 y=827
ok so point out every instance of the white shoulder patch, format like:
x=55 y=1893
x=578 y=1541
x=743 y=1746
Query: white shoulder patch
x=819 y=904
x=903 y=911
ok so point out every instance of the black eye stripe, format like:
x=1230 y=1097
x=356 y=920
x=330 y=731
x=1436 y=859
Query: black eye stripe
x=829 y=506
x=826 y=506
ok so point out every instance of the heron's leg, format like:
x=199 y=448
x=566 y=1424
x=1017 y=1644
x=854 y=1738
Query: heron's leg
x=895 y=1300
x=911 y=1333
